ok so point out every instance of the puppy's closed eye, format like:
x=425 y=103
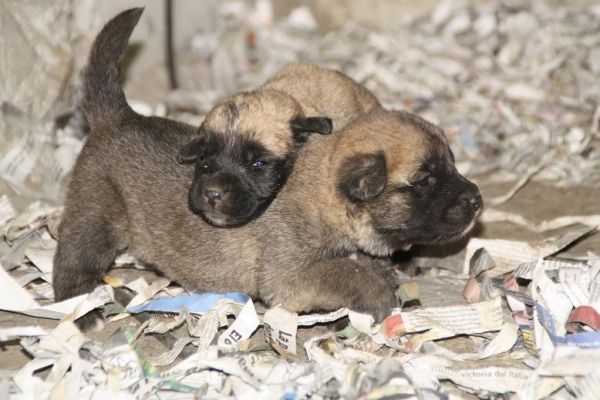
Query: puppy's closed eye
x=428 y=180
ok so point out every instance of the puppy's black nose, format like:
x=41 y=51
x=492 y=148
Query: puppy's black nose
x=213 y=195
x=476 y=202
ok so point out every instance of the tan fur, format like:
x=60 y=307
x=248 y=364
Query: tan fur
x=296 y=90
x=262 y=116
x=323 y=92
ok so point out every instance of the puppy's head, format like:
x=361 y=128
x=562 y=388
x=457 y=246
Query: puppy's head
x=397 y=180
x=243 y=154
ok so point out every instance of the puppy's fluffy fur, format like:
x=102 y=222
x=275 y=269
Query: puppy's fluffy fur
x=245 y=148
x=385 y=181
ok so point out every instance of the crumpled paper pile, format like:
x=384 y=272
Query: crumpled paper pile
x=518 y=321
x=514 y=87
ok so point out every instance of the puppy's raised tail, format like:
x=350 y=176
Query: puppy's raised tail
x=103 y=98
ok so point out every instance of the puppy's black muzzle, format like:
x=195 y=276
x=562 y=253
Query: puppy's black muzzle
x=223 y=199
x=467 y=204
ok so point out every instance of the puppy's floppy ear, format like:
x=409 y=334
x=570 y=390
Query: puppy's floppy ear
x=302 y=127
x=362 y=177
x=193 y=149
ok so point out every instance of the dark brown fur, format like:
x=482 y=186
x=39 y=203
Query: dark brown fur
x=350 y=192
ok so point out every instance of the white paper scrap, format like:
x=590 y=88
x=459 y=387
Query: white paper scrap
x=241 y=329
x=280 y=329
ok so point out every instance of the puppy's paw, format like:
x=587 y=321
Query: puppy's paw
x=378 y=303
x=91 y=322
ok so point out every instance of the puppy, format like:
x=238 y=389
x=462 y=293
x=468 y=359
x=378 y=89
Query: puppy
x=245 y=147
x=385 y=181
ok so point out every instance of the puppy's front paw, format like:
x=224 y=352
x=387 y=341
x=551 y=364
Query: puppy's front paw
x=91 y=322
x=378 y=303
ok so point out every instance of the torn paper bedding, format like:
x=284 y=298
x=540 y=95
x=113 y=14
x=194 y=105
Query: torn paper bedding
x=244 y=350
x=515 y=88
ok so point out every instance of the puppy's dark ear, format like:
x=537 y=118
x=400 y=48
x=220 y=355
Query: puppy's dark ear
x=302 y=127
x=362 y=177
x=193 y=149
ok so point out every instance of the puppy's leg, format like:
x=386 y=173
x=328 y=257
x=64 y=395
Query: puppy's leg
x=88 y=244
x=362 y=285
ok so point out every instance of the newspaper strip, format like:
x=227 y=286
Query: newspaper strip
x=16 y=299
x=145 y=294
x=208 y=324
x=502 y=342
x=475 y=318
x=547 y=294
x=571 y=361
x=494 y=379
x=527 y=270
x=35 y=216
x=311 y=319
x=162 y=325
x=552 y=309
x=517 y=303
x=241 y=329
x=575 y=282
x=509 y=254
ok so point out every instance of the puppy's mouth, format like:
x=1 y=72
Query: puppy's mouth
x=453 y=237
x=221 y=221
x=396 y=243
x=218 y=215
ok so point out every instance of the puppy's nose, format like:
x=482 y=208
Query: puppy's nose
x=213 y=194
x=476 y=202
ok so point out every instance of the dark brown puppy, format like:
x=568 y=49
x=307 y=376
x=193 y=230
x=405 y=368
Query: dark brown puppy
x=385 y=181
x=245 y=147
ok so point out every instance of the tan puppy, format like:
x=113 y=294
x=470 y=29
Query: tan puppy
x=385 y=181
x=245 y=147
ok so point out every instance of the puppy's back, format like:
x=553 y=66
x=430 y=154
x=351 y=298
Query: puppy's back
x=322 y=91
x=128 y=162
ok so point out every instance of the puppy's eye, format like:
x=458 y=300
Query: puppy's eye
x=428 y=180
x=258 y=164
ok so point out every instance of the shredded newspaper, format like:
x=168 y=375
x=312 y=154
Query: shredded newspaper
x=524 y=326
x=515 y=87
